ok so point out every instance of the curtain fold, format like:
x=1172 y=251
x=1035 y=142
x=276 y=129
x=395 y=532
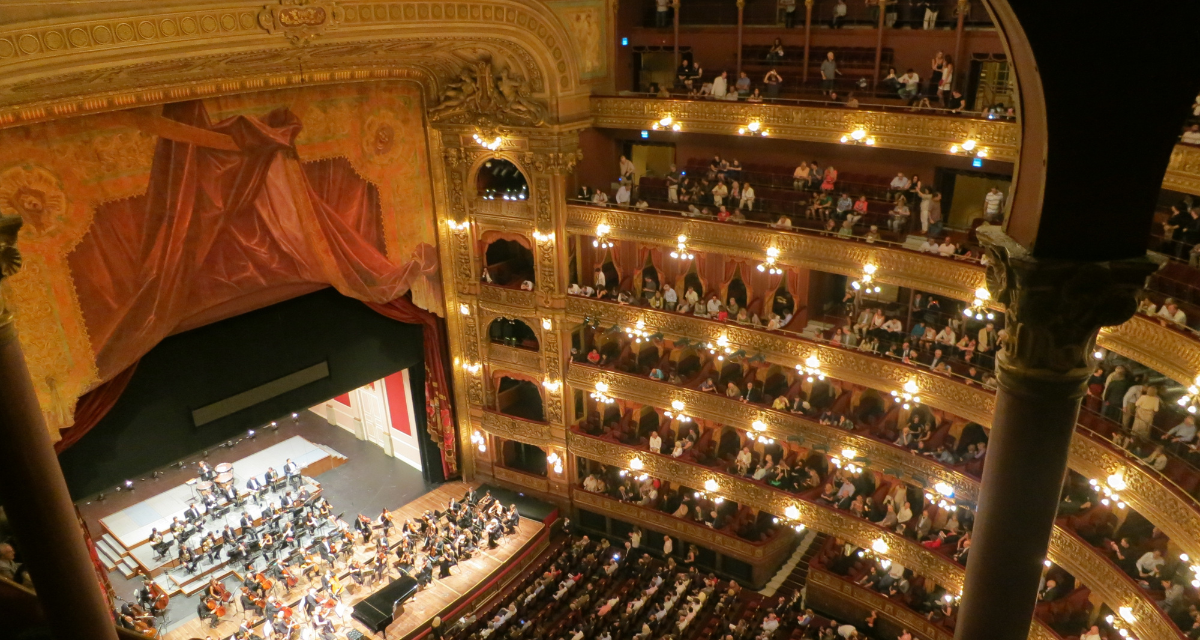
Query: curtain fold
x=439 y=410
x=93 y=406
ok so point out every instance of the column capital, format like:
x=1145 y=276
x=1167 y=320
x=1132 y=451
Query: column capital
x=10 y=264
x=809 y=3
x=1054 y=308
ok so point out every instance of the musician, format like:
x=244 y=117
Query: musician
x=142 y=596
x=356 y=572
x=209 y=500
x=230 y=494
x=323 y=626
x=246 y=523
x=243 y=631
x=268 y=545
x=363 y=525
x=286 y=501
x=206 y=472
x=310 y=603
x=157 y=543
x=292 y=471
x=271 y=608
x=287 y=536
x=188 y=559
x=512 y=520
x=325 y=550
x=250 y=602
x=385 y=519
x=207 y=609
x=325 y=582
x=255 y=487
x=192 y=514
x=303 y=496
x=271 y=476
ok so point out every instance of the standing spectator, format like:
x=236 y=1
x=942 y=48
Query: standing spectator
x=673 y=185
x=946 y=86
x=1115 y=386
x=627 y=169
x=829 y=72
x=720 y=86
x=910 y=86
x=660 y=15
x=789 y=13
x=931 y=14
x=991 y=204
x=839 y=14
x=935 y=76
x=1131 y=396
x=926 y=196
x=773 y=80
x=743 y=84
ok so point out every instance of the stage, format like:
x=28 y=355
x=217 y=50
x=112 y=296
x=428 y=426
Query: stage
x=465 y=577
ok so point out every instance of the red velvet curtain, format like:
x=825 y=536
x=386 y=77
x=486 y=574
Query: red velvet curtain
x=439 y=410
x=94 y=405
x=218 y=224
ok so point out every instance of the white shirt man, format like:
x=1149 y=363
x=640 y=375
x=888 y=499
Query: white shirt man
x=1149 y=563
x=992 y=202
x=929 y=246
x=655 y=443
x=893 y=326
x=719 y=193
x=947 y=248
x=747 y=198
x=623 y=196
x=670 y=296
x=720 y=86
x=649 y=496
x=946 y=336
x=899 y=183
x=714 y=306
x=1172 y=312
x=847 y=631
x=635 y=539
x=1191 y=136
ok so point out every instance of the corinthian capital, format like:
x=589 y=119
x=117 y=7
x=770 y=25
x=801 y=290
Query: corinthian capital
x=10 y=264
x=1054 y=308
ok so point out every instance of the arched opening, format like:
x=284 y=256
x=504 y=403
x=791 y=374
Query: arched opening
x=612 y=277
x=691 y=280
x=647 y=422
x=612 y=414
x=737 y=290
x=731 y=372
x=729 y=444
x=519 y=398
x=499 y=179
x=648 y=280
x=647 y=357
x=512 y=332
x=523 y=457
x=688 y=363
x=783 y=302
x=508 y=262
x=776 y=382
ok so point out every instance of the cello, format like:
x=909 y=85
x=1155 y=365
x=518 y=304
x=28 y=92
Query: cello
x=159 y=598
x=215 y=606
x=263 y=581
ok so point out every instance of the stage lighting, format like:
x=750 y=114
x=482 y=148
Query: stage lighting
x=129 y=484
x=296 y=418
x=250 y=434
x=205 y=455
x=274 y=425
x=100 y=497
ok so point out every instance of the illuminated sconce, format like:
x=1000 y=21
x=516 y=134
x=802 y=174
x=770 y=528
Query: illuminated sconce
x=969 y=148
x=1195 y=570
x=472 y=367
x=601 y=394
x=681 y=251
x=858 y=136
x=555 y=461
x=711 y=485
x=636 y=464
x=865 y=282
x=811 y=367
x=846 y=461
x=458 y=226
x=768 y=265
x=879 y=546
x=759 y=425
x=480 y=441
x=602 y=241
x=543 y=237
x=1124 y=616
x=753 y=128
x=1190 y=399
x=1111 y=488
x=551 y=385
x=978 y=308
x=666 y=123
x=491 y=145
x=721 y=348
x=943 y=497
x=464 y=309
x=909 y=395
x=547 y=324
x=638 y=332
x=676 y=412
x=792 y=513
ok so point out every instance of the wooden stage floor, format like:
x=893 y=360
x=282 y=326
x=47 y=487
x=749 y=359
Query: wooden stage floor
x=427 y=603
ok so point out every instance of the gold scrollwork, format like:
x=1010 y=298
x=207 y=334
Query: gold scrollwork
x=512 y=428
x=510 y=297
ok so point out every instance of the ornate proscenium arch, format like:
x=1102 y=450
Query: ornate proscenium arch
x=117 y=60
x=1075 y=257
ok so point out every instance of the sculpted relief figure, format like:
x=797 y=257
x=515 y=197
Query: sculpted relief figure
x=481 y=95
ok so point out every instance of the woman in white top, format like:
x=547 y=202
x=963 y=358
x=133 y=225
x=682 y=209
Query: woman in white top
x=926 y=205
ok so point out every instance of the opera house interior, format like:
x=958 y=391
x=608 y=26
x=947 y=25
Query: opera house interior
x=599 y=320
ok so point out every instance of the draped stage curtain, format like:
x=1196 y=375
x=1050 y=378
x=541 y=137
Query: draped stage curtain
x=94 y=405
x=230 y=213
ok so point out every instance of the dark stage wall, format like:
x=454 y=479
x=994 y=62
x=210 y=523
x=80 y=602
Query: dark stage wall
x=151 y=425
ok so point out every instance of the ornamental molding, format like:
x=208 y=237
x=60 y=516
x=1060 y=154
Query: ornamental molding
x=1152 y=342
x=1064 y=548
x=820 y=579
x=916 y=470
x=1183 y=172
x=892 y=130
x=505 y=209
x=65 y=66
x=522 y=360
x=521 y=479
x=688 y=531
x=486 y=97
x=517 y=429
x=933 y=274
x=856 y=531
x=515 y=298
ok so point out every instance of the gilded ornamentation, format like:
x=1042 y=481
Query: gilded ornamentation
x=502 y=295
x=1154 y=343
x=557 y=163
x=1054 y=308
x=906 y=268
x=518 y=359
x=586 y=25
x=10 y=264
x=300 y=21
x=521 y=479
x=482 y=97
x=820 y=580
x=547 y=258
x=1183 y=173
x=895 y=130
x=36 y=195
x=516 y=209
x=510 y=428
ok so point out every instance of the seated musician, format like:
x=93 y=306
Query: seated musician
x=228 y=537
x=271 y=608
x=512 y=520
x=237 y=552
x=214 y=589
x=209 y=500
x=287 y=537
x=255 y=487
x=192 y=514
x=249 y=583
x=229 y=494
x=310 y=603
x=362 y=524
x=246 y=523
x=142 y=595
x=303 y=496
x=268 y=545
x=157 y=543
x=243 y=632
x=385 y=519
x=206 y=472
x=323 y=626
x=356 y=572
x=206 y=610
x=292 y=471
x=271 y=477
x=188 y=559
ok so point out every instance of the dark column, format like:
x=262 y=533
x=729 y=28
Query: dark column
x=1054 y=308
x=675 y=19
x=741 y=6
x=958 y=37
x=808 y=5
x=34 y=491
x=879 y=42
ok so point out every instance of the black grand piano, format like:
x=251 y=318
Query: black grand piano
x=376 y=610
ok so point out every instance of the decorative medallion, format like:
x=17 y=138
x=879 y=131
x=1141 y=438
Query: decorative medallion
x=301 y=21
x=35 y=194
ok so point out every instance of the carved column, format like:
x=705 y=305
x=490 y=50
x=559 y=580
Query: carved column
x=879 y=42
x=34 y=491
x=741 y=7
x=958 y=37
x=808 y=7
x=675 y=20
x=1054 y=308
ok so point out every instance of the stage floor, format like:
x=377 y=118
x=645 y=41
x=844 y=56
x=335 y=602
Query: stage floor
x=424 y=605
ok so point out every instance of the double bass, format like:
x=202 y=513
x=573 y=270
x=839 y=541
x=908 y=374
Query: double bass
x=158 y=598
x=263 y=581
x=222 y=593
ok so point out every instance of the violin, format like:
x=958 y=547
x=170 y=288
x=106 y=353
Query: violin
x=159 y=597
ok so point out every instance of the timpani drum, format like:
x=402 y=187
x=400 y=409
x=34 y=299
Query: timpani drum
x=204 y=486
x=223 y=468
x=225 y=480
